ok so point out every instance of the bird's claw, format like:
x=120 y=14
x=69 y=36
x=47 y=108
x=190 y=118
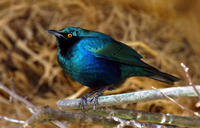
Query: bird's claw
x=82 y=102
x=94 y=101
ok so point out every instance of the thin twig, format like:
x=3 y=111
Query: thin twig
x=181 y=106
x=133 y=97
x=32 y=108
x=12 y=88
x=12 y=120
x=28 y=104
x=59 y=124
x=186 y=69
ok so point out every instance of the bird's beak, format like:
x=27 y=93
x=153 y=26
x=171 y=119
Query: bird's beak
x=56 y=33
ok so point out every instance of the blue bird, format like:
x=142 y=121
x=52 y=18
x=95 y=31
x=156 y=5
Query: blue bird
x=100 y=62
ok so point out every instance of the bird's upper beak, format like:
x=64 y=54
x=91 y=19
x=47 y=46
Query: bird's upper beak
x=56 y=33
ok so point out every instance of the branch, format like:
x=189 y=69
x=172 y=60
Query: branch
x=123 y=123
x=133 y=97
x=151 y=117
x=49 y=114
x=187 y=91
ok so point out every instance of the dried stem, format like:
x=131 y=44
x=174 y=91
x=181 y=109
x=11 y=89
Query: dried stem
x=29 y=105
x=12 y=120
x=186 y=69
x=181 y=106
x=32 y=108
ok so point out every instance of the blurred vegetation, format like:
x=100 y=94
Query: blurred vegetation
x=168 y=29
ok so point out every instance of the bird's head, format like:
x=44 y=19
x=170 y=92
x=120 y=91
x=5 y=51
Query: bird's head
x=69 y=36
x=66 y=37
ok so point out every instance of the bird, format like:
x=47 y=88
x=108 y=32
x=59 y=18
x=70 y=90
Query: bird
x=100 y=62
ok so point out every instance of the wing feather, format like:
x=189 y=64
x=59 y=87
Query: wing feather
x=112 y=50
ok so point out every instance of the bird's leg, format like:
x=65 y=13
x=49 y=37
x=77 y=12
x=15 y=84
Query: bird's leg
x=94 y=99
x=84 y=99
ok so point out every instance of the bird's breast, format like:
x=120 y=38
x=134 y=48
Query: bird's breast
x=84 y=67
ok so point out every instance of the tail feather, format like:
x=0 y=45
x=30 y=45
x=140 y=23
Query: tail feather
x=161 y=76
x=164 y=77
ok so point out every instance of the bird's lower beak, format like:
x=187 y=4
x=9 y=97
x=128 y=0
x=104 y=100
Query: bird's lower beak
x=56 y=33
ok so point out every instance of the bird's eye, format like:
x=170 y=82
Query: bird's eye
x=69 y=35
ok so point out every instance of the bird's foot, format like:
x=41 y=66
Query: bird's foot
x=94 y=101
x=95 y=98
x=83 y=100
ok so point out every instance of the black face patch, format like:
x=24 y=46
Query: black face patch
x=66 y=43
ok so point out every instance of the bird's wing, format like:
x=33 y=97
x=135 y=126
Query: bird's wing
x=112 y=50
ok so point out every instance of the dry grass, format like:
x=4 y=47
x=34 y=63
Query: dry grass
x=165 y=32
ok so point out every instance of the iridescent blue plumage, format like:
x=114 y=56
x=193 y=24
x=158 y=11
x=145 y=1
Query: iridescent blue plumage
x=100 y=62
x=84 y=67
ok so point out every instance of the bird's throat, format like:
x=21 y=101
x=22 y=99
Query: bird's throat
x=65 y=45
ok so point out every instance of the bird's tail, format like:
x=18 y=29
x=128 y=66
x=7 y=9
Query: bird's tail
x=160 y=76
x=163 y=77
